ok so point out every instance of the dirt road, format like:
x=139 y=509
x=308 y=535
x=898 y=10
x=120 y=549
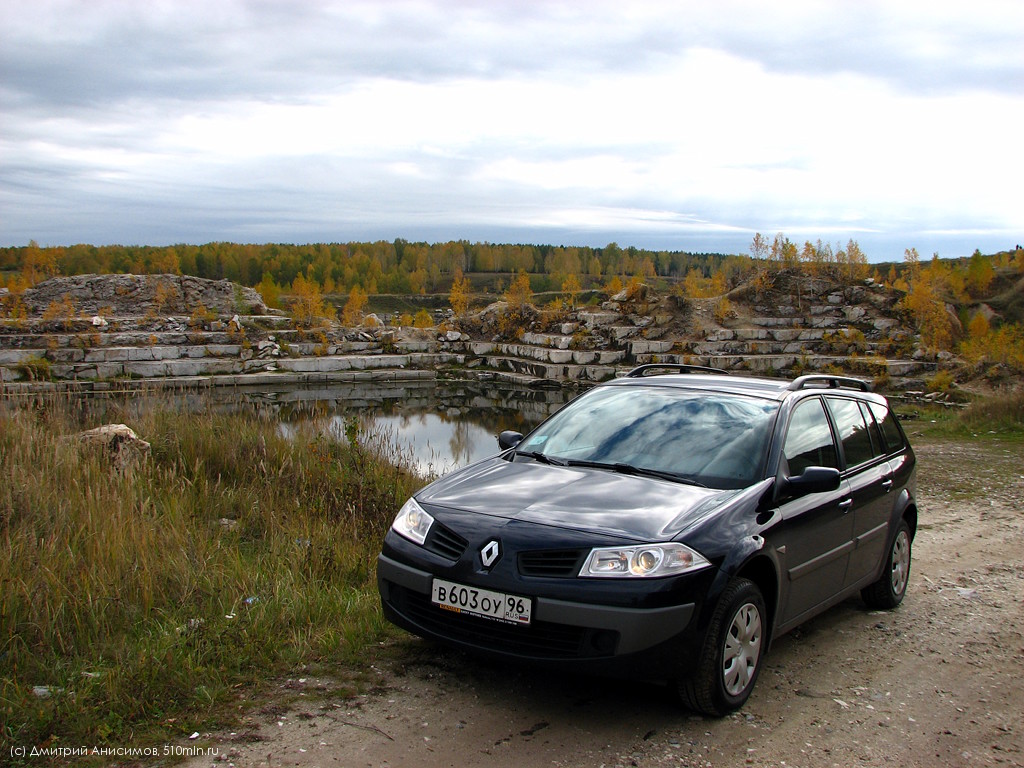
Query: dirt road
x=938 y=682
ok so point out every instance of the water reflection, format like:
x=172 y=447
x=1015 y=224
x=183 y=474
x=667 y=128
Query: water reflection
x=433 y=426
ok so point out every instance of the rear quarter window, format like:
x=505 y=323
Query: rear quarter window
x=890 y=429
x=853 y=431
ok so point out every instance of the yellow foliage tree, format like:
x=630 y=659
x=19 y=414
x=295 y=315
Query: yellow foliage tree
x=980 y=274
x=39 y=263
x=519 y=293
x=979 y=326
x=423 y=319
x=571 y=288
x=163 y=295
x=693 y=284
x=270 y=291
x=352 y=314
x=307 y=305
x=856 y=261
x=459 y=296
x=929 y=311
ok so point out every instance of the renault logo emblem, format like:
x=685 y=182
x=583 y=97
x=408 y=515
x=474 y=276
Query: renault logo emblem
x=490 y=553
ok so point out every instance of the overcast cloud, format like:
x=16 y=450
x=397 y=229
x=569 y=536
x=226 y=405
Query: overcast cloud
x=679 y=125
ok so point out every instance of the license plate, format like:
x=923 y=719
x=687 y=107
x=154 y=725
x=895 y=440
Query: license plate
x=511 y=609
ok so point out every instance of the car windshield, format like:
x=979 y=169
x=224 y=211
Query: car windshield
x=717 y=440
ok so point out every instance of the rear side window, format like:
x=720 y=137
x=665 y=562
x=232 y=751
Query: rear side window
x=890 y=429
x=853 y=432
x=809 y=441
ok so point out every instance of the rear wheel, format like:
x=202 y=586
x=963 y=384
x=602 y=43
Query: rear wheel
x=733 y=650
x=889 y=590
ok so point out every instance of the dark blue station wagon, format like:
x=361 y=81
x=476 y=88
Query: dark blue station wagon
x=663 y=526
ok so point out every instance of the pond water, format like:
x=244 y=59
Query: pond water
x=433 y=426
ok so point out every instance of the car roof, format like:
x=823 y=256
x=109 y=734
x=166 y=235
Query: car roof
x=695 y=377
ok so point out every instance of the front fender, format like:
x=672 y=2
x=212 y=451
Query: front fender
x=751 y=558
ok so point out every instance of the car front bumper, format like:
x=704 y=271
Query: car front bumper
x=560 y=630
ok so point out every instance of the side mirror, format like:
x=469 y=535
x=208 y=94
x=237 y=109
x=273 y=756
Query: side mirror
x=813 y=480
x=509 y=439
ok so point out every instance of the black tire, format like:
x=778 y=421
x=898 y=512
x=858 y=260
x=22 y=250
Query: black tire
x=888 y=591
x=733 y=652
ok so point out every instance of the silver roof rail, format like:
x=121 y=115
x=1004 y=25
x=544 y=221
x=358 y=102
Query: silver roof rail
x=829 y=381
x=641 y=370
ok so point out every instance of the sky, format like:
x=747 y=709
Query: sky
x=665 y=125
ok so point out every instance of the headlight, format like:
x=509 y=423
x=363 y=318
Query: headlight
x=646 y=561
x=412 y=522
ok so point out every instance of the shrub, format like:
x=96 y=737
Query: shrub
x=200 y=316
x=423 y=319
x=35 y=368
x=62 y=311
x=723 y=310
x=942 y=381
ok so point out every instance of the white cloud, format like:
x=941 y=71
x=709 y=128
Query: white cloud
x=649 y=119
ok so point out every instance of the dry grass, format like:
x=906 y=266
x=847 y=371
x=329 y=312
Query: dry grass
x=125 y=597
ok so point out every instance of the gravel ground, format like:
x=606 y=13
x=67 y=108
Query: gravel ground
x=937 y=682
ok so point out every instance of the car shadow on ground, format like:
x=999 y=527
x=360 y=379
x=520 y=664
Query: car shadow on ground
x=557 y=694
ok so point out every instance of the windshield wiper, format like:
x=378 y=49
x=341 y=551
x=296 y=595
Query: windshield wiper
x=629 y=469
x=543 y=458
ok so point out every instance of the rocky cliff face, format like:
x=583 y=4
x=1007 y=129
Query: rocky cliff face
x=138 y=295
x=151 y=332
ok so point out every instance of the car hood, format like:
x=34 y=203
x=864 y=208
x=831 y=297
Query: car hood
x=579 y=498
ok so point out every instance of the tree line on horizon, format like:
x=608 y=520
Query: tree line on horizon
x=410 y=268
x=380 y=267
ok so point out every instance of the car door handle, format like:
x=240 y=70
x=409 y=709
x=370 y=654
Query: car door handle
x=845 y=504
x=887 y=484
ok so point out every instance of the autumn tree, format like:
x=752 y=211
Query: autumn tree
x=979 y=326
x=459 y=295
x=925 y=304
x=352 y=314
x=307 y=305
x=270 y=291
x=165 y=296
x=694 y=285
x=39 y=263
x=912 y=258
x=759 y=247
x=856 y=261
x=519 y=293
x=570 y=289
x=783 y=251
x=165 y=262
x=979 y=274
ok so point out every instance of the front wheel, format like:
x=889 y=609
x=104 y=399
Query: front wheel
x=889 y=590
x=731 y=657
